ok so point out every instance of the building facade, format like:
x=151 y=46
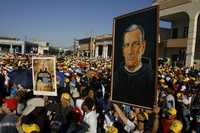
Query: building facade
x=43 y=47
x=103 y=46
x=181 y=42
x=99 y=46
x=11 y=44
x=15 y=45
x=84 y=47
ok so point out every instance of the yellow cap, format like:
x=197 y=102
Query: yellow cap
x=165 y=86
x=193 y=78
x=162 y=81
x=142 y=116
x=172 y=111
x=65 y=67
x=186 y=80
x=174 y=81
x=146 y=115
x=179 y=95
x=28 y=128
x=65 y=96
x=66 y=80
x=112 y=129
x=176 y=126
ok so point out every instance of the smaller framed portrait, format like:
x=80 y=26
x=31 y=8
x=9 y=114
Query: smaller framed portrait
x=44 y=76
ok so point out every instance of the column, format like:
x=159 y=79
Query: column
x=96 y=51
x=11 y=48
x=22 y=49
x=104 y=52
x=191 y=40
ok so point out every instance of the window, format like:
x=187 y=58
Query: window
x=185 y=31
x=100 y=50
x=174 y=33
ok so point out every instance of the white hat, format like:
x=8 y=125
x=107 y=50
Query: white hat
x=183 y=88
x=67 y=74
x=168 y=78
x=32 y=104
x=163 y=76
x=78 y=71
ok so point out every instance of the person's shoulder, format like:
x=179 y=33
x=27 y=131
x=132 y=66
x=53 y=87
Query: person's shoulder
x=2 y=115
x=147 y=67
x=93 y=113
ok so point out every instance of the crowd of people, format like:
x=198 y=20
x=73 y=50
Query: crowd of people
x=83 y=104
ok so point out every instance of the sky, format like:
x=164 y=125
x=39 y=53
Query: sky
x=61 y=21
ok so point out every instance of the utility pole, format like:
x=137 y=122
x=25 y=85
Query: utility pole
x=92 y=45
x=74 y=47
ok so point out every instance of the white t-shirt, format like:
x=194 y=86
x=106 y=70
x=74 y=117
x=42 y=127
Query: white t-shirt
x=137 y=131
x=91 y=119
x=79 y=104
x=170 y=101
x=129 y=126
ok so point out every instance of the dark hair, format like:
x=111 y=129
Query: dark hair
x=89 y=102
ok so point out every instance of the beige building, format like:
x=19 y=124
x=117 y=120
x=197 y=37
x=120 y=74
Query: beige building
x=11 y=45
x=15 y=45
x=103 y=46
x=99 y=46
x=84 y=47
x=43 y=46
x=182 y=41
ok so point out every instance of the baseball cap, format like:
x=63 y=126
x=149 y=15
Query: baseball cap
x=10 y=103
x=171 y=111
x=176 y=126
x=65 y=96
x=32 y=104
x=29 y=128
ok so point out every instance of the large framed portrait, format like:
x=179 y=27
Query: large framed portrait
x=134 y=62
x=44 y=76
